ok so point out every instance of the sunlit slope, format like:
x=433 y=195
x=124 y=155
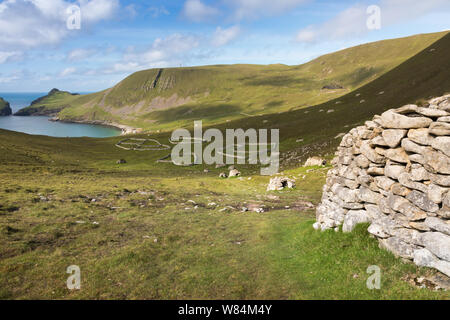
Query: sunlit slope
x=315 y=130
x=170 y=97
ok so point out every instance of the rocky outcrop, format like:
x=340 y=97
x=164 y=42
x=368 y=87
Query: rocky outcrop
x=394 y=173
x=279 y=183
x=5 y=109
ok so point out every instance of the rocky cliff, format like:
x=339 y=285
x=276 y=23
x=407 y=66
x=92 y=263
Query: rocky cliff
x=394 y=173
x=5 y=109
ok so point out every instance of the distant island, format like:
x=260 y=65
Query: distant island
x=5 y=108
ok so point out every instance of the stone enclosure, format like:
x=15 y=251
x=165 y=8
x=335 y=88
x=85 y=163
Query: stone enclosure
x=394 y=173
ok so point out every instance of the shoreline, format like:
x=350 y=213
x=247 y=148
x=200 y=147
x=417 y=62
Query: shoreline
x=125 y=130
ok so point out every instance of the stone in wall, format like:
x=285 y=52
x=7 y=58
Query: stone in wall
x=394 y=173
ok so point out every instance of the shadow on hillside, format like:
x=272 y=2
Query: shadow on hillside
x=192 y=112
x=360 y=75
x=276 y=81
x=273 y=104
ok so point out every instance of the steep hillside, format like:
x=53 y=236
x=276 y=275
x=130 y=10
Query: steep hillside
x=167 y=98
x=5 y=109
x=317 y=129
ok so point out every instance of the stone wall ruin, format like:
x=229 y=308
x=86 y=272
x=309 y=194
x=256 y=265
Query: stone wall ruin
x=394 y=173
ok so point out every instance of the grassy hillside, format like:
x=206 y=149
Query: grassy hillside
x=165 y=98
x=50 y=104
x=419 y=78
x=5 y=109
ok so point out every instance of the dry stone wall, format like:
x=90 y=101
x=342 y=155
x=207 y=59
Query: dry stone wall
x=394 y=173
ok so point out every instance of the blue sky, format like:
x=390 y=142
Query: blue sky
x=118 y=37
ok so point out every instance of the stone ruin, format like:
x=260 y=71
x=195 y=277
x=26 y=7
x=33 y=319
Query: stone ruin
x=394 y=173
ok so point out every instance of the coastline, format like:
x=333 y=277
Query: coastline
x=124 y=128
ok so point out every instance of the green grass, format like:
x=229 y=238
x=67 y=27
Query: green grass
x=48 y=185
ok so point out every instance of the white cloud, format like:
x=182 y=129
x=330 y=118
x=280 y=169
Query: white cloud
x=80 y=54
x=307 y=35
x=353 y=20
x=223 y=36
x=26 y=24
x=95 y=10
x=9 y=55
x=196 y=11
x=67 y=72
x=120 y=67
x=163 y=50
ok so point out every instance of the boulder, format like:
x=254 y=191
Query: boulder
x=362 y=161
x=378 y=141
x=438 y=225
x=369 y=196
x=437 y=243
x=435 y=193
x=424 y=258
x=393 y=120
x=444 y=119
x=234 y=173
x=410 y=146
x=377 y=230
x=439 y=179
x=371 y=154
x=398 y=247
x=422 y=201
x=384 y=182
x=353 y=218
x=440 y=128
x=406 y=181
x=392 y=137
x=345 y=194
x=393 y=170
x=397 y=155
x=315 y=161
x=400 y=190
x=420 y=136
x=404 y=206
x=435 y=161
x=432 y=113
x=442 y=144
x=418 y=173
